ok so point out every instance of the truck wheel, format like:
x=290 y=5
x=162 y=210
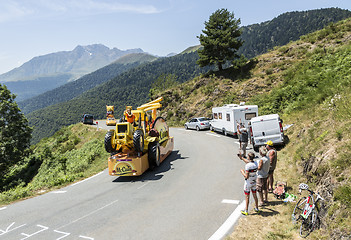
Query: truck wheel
x=224 y=132
x=154 y=154
x=109 y=147
x=138 y=140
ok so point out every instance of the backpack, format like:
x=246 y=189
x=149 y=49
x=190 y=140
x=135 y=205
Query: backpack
x=279 y=191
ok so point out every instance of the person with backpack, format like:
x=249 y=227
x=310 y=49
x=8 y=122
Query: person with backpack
x=250 y=176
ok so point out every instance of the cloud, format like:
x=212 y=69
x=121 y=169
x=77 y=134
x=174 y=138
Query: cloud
x=99 y=6
x=11 y=10
x=16 y=9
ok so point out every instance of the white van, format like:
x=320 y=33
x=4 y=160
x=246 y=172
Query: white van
x=224 y=118
x=265 y=128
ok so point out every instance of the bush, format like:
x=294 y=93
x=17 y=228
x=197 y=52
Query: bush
x=209 y=104
x=343 y=194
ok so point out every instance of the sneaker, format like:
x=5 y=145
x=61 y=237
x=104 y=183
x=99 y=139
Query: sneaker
x=257 y=210
x=244 y=212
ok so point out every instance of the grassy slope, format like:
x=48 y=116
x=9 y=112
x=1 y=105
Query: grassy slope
x=308 y=83
x=73 y=153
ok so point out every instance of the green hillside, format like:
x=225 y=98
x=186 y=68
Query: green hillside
x=308 y=82
x=73 y=153
x=259 y=38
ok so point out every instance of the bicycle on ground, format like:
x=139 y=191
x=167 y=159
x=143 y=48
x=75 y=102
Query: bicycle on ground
x=306 y=211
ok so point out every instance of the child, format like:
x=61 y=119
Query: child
x=250 y=180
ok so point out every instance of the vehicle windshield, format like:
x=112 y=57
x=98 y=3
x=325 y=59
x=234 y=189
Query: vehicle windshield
x=203 y=119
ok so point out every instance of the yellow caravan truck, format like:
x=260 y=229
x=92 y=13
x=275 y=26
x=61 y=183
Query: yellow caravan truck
x=110 y=118
x=138 y=145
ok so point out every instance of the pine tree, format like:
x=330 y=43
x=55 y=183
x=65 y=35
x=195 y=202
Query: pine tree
x=220 y=40
x=15 y=133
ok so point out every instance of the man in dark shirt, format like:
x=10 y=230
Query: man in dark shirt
x=243 y=139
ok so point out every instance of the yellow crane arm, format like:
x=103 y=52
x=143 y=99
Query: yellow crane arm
x=147 y=105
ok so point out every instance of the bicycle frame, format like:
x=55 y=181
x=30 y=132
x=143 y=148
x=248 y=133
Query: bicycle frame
x=310 y=204
x=306 y=210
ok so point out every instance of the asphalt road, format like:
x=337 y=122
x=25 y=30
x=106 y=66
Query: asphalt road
x=194 y=194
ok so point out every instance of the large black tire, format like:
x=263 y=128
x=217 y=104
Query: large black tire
x=138 y=140
x=154 y=154
x=108 y=142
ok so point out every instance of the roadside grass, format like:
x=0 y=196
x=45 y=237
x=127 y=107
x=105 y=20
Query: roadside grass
x=323 y=164
x=314 y=95
x=73 y=153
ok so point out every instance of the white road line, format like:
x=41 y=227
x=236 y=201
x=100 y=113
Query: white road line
x=8 y=229
x=143 y=185
x=87 y=215
x=58 y=192
x=237 y=143
x=213 y=134
x=65 y=234
x=230 y=201
x=87 y=179
x=86 y=237
x=229 y=223
x=43 y=228
x=3 y=208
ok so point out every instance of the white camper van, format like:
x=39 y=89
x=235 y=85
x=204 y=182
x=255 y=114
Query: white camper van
x=226 y=117
x=265 y=128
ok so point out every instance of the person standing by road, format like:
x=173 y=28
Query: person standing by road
x=272 y=156
x=250 y=176
x=263 y=165
x=243 y=139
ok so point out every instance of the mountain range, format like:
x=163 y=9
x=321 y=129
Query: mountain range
x=49 y=71
x=75 y=88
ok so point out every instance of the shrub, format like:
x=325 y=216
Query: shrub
x=343 y=194
x=209 y=104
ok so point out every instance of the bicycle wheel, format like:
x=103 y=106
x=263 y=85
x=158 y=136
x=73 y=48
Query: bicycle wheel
x=298 y=209
x=309 y=224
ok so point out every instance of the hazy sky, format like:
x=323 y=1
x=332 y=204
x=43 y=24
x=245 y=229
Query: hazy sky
x=30 y=28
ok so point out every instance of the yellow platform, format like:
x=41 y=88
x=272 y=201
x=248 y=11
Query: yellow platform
x=130 y=164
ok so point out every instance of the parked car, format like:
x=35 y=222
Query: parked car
x=88 y=119
x=199 y=123
x=111 y=121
